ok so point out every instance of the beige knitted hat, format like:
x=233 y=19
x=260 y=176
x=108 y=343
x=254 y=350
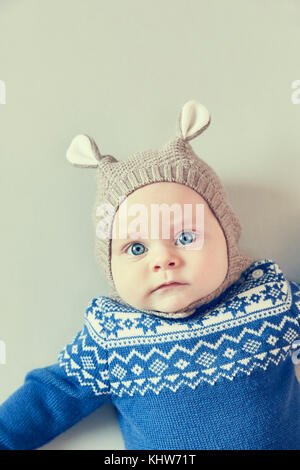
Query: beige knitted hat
x=174 y=162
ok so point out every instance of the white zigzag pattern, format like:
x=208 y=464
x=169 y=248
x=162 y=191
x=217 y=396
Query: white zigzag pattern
x=83 y=337
x=157 y=389
x=200 y=343
x=73 y=373
x=84 y=383
x=176 y=348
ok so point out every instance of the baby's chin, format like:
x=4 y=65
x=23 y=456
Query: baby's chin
x=169 y=307
x=168 y=303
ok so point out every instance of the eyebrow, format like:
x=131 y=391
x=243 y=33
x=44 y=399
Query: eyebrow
x=135 y=235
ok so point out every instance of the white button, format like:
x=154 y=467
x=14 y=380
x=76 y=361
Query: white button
x=257 y=273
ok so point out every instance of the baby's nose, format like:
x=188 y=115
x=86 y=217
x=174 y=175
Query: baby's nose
x=165 y=260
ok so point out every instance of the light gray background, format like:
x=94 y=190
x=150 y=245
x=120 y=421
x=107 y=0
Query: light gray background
x=120 y=71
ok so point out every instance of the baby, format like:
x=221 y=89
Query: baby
x=193 y=344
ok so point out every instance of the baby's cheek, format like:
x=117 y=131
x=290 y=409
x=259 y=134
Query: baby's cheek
x=118 y=270
x=130 y=277
x=195 y=259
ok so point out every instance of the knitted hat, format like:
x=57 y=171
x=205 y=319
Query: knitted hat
x=174 y=162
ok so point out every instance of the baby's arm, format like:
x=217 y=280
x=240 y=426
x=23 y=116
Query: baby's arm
x=54 y=398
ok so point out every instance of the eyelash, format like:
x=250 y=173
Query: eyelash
x=126 y=248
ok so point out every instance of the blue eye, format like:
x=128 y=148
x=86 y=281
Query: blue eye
x=137 y=249
x=186 y=238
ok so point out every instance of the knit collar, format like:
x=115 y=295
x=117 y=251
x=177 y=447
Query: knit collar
x=259 y=273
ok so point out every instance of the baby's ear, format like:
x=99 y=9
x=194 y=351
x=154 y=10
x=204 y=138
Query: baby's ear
x=83 y=152
x=194 y=119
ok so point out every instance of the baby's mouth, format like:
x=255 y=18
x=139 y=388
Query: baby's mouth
x=169 y=285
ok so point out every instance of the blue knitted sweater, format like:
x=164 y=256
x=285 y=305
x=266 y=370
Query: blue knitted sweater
x=222 y=378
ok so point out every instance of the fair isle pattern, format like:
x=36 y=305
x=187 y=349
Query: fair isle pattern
x=252 y=326
x=86 y=362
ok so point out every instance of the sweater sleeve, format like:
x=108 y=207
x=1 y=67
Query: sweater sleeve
x=54 y=398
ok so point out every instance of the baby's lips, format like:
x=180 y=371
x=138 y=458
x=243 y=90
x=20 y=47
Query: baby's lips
x=169 y=285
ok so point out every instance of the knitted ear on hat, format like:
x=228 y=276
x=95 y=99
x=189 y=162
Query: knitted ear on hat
x=83 y=152
x=193 y=120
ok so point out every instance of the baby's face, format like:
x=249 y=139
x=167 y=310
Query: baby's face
x=144 y=261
